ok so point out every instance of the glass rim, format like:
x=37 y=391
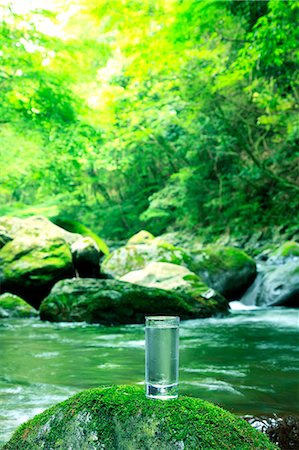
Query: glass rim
x=162 y=317
x=162 y=321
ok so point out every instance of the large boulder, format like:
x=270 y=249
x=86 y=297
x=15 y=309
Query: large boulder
x=12 y=306
x=275 y=285
x=122 y=418
x=228 y=270
x=139 y=251
x=113 y=302
x=30 y=266
x=38 y=253
x=179 y=279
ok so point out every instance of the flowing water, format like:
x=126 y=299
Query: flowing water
x=247 y=362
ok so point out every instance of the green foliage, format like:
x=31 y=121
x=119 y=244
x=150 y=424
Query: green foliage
x=152 y=114
x=76 y=227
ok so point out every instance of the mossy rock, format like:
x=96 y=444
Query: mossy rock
x=30 y=266
x=15 y=307
x=140 y=250
x=142 y=237
x=116 y=302
x=289 y=249
x=40 y=253
x=121 y=418
x=228 y=270
x=178 y=279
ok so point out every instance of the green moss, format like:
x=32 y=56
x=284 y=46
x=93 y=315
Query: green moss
x=143 y=237
x=288 y=249
x=77 y=227
x=19 y=258
x=215 y=258
x=112 y=301
x=16 y=306
x=228 y=270
x=136 y=256
x=122 y=418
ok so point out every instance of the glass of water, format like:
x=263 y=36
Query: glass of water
x=162 y=356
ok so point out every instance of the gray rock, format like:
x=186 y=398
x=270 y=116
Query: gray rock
x=275 y=285
x=140 y=250
x=175 y=278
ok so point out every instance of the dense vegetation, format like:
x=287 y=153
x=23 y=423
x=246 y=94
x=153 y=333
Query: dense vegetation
x=129 y=115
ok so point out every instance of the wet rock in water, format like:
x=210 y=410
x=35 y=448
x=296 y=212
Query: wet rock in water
x=275 y=285
x=113 y=302
x=122 y=418
x=282 y=431
x=140 y=250
x=38 y=254
x=177 y=279
x=12 y=306
x=228 y=270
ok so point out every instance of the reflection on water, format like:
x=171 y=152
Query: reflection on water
x=247 y=362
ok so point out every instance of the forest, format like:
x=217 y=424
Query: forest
x=157 y=115
x=149 y=240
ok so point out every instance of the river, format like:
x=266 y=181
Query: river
x=246 y=362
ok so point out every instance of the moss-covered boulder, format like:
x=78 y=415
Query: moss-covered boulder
x=29 y=266
x=142 y=237
x=113 y=302
x=14 y=306
x=179 y=279
x=228 y=270
x=38 y=253
x=140 y=250
x=122 y=418
x=288 y=250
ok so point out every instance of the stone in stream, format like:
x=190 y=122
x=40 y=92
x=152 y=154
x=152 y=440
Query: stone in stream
x=12 y=306
x=140 y=250
x=38 y=254
x=275 y=285
x=283 y=431
x=228 y=270
x=114 y=302
x=174 y=278
x=120 y=417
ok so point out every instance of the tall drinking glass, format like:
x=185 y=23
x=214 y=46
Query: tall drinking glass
x=162 y=356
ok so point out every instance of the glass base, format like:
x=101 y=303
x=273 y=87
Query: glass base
x=162 y=392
